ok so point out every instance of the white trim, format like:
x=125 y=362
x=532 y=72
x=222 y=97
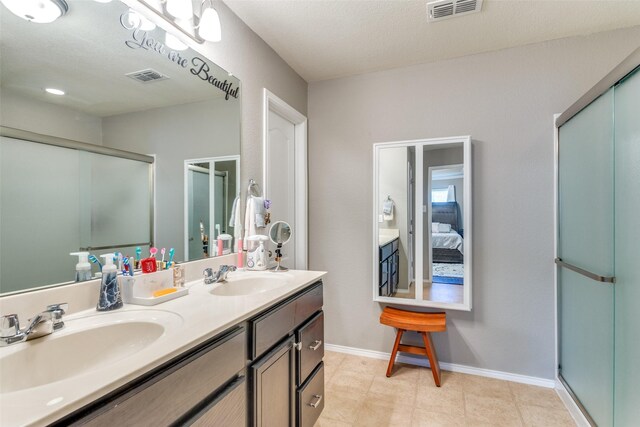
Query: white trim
x=570 y=404
x=418 y=226
x=452 y=367
x=277 y=105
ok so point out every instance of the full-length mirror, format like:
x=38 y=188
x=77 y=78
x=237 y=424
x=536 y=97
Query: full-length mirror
x=103 y=76
x=422 y=227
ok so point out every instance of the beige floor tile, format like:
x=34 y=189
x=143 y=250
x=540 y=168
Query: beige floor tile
x=424 y=418
x=441 y=400
x=373 y=415
x=363 y=364
x=448 y=380
x=341 y=406
x=491 y=410
x=329 y=372
x=389 y=392
x=404 y=372
x=488 y=387
x=533 y=395
x=350 y=382
x=325 y=422
x=333 y=358
x=538 y=416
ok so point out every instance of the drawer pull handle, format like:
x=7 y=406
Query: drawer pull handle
x=297 y=345
x=316 y=344
x=317 y=402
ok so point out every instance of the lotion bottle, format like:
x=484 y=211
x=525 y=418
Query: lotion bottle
x=110 y=298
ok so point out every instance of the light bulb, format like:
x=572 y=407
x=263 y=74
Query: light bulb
x=53 y=91
x=38 y=11
x=182 y=9
x=209 y=27
x=174 y=43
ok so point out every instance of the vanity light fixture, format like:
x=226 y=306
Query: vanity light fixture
x=53 y=91
x=181 y=9
x=103 y=1
x=174 y=43
x=38 y=11
x=209 y=24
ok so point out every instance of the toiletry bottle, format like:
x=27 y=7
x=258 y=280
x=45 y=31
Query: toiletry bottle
x=83 y=267
x=257 y=258
x=110 y=298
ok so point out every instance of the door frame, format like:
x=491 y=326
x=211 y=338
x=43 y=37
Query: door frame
x=272 y=103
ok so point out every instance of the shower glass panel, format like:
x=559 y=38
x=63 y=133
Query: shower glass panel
x=199 y=194
x=627 y=207
x=586 y=238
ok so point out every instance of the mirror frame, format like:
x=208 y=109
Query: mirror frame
x=419 y=226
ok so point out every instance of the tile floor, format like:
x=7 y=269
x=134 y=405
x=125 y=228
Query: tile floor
x=359 y=394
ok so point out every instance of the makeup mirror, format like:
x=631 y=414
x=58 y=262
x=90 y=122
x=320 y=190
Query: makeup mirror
x=422 y=228
x=280 y=234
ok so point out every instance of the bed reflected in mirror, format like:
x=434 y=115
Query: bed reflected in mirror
x=422 y=193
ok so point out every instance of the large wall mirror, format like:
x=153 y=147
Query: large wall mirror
x=102 y=166
x=422 y=223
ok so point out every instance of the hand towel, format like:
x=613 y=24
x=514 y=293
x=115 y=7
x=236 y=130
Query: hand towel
x=259 y=211
x=387 y=210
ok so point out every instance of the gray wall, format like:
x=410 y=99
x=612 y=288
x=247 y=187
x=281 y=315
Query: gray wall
x=48 y=118
x=506 y=101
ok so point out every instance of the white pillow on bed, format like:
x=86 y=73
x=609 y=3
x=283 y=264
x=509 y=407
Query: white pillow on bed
x=444 y=228
x=435 y=226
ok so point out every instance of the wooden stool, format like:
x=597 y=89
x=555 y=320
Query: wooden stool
x=425 y=323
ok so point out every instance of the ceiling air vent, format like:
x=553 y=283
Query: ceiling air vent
x=444 y=9
x=146 y=76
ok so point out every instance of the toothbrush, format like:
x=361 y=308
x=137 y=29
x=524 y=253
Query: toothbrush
x=131 y=264
x=94 y=260
x=125 y=268
x=171 y=252
x=138 y=253
x=162 y=251
x=118 y=257
x=153 y=251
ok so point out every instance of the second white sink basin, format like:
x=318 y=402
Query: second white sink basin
x=84 y=344
x=249 y=283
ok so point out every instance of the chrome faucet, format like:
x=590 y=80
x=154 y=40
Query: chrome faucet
x=40 y=325
x=219 y=276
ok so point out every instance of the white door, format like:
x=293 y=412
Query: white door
x=281 y=174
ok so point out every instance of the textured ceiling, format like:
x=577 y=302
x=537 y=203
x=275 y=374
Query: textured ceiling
x=323 y=39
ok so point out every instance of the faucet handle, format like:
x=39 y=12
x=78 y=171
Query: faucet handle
x=60 y=307
x=9 y=326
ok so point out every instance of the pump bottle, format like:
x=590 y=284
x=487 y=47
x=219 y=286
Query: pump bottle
x=110 y=298
x=83 y=267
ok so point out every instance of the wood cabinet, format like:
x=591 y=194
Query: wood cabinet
x=389 y=256
x=283 y=376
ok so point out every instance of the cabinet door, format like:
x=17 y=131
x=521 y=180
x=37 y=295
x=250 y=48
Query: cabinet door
x=273 y=382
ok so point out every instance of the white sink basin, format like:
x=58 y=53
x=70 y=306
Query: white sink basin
x=83 y=345
x=250 y=283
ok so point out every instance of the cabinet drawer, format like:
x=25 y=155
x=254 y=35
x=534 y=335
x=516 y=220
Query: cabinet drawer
x=311 y=339
x=229 y=409
x=272 y=326
x=310 y=398
x=167 y=396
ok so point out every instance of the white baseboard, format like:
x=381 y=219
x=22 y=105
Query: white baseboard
x=574 y=410
x=423 y=361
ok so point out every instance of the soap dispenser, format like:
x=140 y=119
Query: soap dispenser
x=110 y=298
x=257 y=258
x=83 y=267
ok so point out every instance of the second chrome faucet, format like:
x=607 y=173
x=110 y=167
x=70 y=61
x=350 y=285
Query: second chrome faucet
x=219 y=276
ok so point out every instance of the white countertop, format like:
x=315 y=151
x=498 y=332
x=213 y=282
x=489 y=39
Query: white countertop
x=203 y=316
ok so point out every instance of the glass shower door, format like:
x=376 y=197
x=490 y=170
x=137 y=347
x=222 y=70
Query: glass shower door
x=586 y=257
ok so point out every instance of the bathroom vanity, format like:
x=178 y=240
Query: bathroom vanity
x=247 y=359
